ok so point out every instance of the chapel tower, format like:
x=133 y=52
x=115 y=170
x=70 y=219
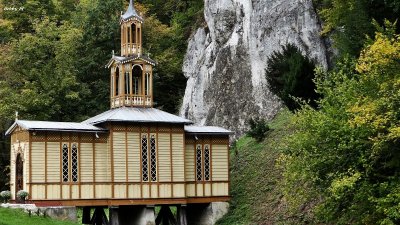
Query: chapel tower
x=132 y=72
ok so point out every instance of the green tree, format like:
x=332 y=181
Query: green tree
x=344 y=158
x=290 y=74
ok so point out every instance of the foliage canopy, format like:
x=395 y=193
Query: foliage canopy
x=347 y=153
x=290 y=75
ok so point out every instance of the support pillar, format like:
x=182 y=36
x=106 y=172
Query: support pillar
x=132 y=215
x=206 y=214
x=181 y=215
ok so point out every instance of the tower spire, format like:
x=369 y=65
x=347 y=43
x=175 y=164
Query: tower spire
x=131 y=13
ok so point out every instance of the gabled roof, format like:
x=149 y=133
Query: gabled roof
x=122 y=59
x=131 y=13
x=131 y=114
x=53 y=126
x=206 y=130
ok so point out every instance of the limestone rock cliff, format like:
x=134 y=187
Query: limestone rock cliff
x=226 y=60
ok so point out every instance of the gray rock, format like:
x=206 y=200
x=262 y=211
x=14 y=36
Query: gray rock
x=225 y=61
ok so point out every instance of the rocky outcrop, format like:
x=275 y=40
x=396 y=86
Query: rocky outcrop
x=225 y=61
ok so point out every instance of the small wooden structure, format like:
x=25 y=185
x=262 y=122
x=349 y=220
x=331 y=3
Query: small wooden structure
x=132 y=154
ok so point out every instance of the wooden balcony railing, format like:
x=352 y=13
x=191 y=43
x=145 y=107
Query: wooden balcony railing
x=131 y=100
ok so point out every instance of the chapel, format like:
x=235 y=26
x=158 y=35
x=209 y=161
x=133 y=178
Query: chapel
x=132 y=154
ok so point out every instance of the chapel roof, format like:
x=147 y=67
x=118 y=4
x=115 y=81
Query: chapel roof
x=53 y=126
x=206 y=130
x=135 y=114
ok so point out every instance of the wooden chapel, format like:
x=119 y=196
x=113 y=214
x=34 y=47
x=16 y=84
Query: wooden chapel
x=131 y=155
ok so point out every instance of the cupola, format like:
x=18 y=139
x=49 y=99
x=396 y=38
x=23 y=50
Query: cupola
x=131 y=73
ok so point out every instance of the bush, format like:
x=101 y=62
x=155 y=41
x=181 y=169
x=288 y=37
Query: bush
x=290 y=74
x=22 y=195
x=5 y=196
x=258 y=129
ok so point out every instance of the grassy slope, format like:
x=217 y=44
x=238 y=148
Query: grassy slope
x=256 y=196
x=18 y=217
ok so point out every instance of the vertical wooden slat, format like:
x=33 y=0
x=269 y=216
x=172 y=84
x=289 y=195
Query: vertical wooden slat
x=112 y=160
x=30 y=164
x=170 y=158
x=70 y=164
x=94 y=165
x=126 y=162
x=210 y=161
x=157 y=162
x=45 y=166
x=61 y=168
x=79 y=165
x=141 y=162
x=195 y=165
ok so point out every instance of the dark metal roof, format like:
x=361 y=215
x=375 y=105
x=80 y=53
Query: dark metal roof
x=132 y=114
x=53 y=126
x=121 y=59
x=131 y=13
x=206 y=130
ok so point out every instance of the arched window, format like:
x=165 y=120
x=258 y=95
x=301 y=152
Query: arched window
x=145 y=165
x=206 y=162
x=137 y=79
x=116 y=81
x=153 y=158
x=74 y=162
x=65 y=163
x=127 y=84
x=133 y=28
x=147 y=84
x=199 y=174
x=129 y=34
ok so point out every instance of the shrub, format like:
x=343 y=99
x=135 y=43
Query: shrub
x=258 y=129
x=290 y=75
x=22 y=195
x=5 y=196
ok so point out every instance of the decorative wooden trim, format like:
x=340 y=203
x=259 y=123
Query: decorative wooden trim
x=202 y=165
x=229 y=166
x=157 y=164
x=184 y=159
x=195 y=166
x=112 y=160
x=45 y=165
x=126 y=163
x=171 y=161
x=113 y=202
x=141 y=162
x=30 y=164
x=79 y=166
x=94 y=165
x=70 y=164
x=118 y=182
x=61 y=169
x=211 y=168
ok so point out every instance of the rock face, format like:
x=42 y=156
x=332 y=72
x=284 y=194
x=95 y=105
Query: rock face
x=225 y=61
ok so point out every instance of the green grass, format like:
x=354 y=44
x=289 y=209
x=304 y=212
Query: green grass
x=255 y=178
x=18 y=217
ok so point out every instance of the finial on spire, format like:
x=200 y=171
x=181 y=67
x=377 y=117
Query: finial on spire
x=16 y=115
x=113 y=53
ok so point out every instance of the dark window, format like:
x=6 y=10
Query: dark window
x=206 y=163
x=137 y=79
x=133 y=28
x=127 y=84
x=117 y=81
x=65 y=165
x=153 y=158
x=74 y=162
x=199 y=174
x=145 y=168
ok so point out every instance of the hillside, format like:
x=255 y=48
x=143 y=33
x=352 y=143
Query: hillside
x=255 y=177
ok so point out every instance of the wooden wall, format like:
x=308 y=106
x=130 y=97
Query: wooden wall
x=109 y=167
x=218 y=185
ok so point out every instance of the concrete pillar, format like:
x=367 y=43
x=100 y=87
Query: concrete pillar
x=132 y=215
x=206 y=214
x=181 y=215
x=60 y=213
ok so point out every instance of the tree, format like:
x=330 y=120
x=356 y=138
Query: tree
x=290 y=74
x=344 y=158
